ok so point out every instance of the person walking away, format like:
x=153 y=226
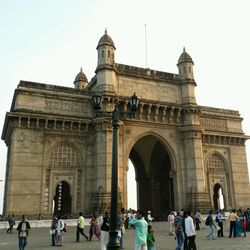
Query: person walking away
x=151 y=238
x=59 y=232
x=190 y=232
x=23 y=231
x=53 y=230
x=94 y=229
x=11 y=221
x=211 y=226
x=104 y=231
x=171 y=223
x=141 y=230
x=220 y=223
x=80 y=228
x=178 y=222
x=233 y=217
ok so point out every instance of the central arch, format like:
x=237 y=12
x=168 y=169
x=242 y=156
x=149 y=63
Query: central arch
x=153 y=174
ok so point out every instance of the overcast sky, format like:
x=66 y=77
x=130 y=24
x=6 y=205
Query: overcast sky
x=48 y=41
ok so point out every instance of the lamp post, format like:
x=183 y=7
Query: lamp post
x=116 y=115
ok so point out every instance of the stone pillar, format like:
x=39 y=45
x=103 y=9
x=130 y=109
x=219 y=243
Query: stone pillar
x=99 y=191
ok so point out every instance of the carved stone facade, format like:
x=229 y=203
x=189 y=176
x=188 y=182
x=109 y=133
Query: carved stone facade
x=59 y=152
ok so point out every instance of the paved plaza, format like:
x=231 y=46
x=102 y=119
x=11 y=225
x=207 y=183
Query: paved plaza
x=39 y=238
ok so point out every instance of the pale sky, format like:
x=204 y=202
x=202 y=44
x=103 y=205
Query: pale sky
x=48 y=41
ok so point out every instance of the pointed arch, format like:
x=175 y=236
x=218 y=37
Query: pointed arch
x=151 y=157
x=62 y=199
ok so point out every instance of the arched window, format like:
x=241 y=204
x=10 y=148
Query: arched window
x=64 y=156
x=215 y=163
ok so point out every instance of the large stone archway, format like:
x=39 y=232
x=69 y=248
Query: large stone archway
x=155 y=190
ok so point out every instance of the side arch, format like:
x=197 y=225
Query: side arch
x=218 y=179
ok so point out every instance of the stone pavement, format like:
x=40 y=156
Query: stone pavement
x=39 y=239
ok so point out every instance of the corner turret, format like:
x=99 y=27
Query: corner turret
x=81 y=80
x=106 y=50
x=105 y=71
x=185 y=66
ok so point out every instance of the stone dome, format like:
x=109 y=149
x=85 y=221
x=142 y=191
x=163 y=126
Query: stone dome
x=185 y=57
x=106 y=40
x=81 y=77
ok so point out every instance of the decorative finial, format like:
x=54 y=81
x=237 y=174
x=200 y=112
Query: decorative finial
x=81 y=69
x=184 y=50
x=106 y=31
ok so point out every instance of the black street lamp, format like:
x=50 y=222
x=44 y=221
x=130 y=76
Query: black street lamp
x=116 y=115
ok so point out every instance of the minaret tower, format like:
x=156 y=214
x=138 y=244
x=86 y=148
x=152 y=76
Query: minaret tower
x=105 y=71
x=185 y=66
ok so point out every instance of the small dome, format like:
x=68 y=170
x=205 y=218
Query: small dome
x=81 y=77
x=106 y=40
x=185 y=57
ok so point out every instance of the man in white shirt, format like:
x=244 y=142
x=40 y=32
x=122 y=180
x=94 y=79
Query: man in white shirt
x=190 y=232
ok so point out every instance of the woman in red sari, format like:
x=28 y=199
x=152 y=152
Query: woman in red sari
x=94 y=229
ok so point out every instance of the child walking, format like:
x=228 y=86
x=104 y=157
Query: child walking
x=151 y=239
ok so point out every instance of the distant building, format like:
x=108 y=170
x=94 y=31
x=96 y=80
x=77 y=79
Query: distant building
x=59 y=153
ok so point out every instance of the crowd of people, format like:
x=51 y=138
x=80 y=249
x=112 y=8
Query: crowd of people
x=182 y=225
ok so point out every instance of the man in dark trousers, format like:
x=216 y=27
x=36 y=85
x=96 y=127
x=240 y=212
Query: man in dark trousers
x=80 y=228
x=23 y=231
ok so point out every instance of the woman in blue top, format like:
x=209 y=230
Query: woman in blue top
x=141 y=231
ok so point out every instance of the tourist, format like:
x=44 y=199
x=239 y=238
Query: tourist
x=80 y=228
x=11 y=221
x=149 y=218
x=171 y=223
x=211 y=226
x=121 y=226
x=197 y=220
x=150 y=238
x=178 y=222
x=233 y=217
x=23 y=231
x=93 y=229
x=59 y=232
x=244 y=225
x=190 y=232
x=220 y=223
x=184 y=216
x=104 y=231
x=239 y=223
x=141 y=230
x=53 y=230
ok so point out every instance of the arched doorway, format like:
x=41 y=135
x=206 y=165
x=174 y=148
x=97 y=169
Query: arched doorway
x=218 y=197
x=62 y=199
x=155 y=191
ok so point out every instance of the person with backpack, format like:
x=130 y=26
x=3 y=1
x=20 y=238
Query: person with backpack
x=210 y=223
